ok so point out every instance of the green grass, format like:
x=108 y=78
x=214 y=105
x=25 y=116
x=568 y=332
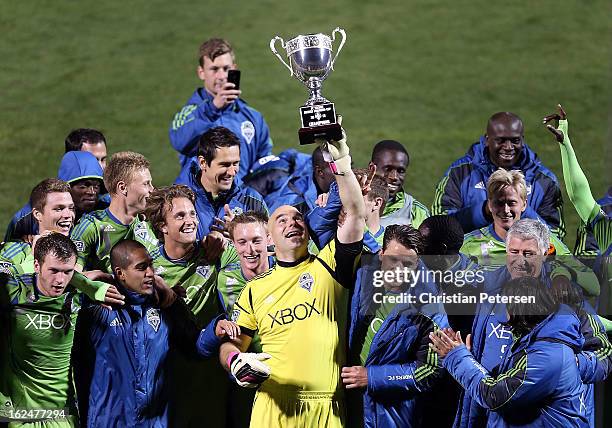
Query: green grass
x=427 y=73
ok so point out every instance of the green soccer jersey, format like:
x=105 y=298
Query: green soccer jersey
x=37 y=331
x=19 y=255
x=382 y=311
x=490 y=249
x=97 y=232
x=404 y=209
x=196 y=276
x=230 y=283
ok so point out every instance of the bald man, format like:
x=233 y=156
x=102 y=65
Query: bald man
x=299 y=309
x=462 y=191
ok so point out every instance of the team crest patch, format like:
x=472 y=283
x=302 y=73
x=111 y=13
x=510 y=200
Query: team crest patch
x=5 y=267
x=248 y=131
x=153 y=318
x=231 y=281
x=159 y=270
x=237 y=210
x=529 y=189
x=203 y=271
x=142 y=232
x=306 y=281
x=80 y=246
x=235 y=314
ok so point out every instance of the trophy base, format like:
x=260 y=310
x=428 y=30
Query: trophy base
x=331 y=132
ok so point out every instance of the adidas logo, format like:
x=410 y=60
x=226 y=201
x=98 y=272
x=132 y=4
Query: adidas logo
x=480 y=185
x=108 y=228
x=116 y=322
x=159 y=270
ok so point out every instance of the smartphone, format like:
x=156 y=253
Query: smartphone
x=233 y=76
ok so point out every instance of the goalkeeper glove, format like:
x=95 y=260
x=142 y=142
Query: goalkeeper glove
x=248 y=368
x=336 y=153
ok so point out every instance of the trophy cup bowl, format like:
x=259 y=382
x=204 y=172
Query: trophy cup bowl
x=310 y=61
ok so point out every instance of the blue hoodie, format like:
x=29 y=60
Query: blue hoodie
x=463 y=189
x=537 y=383
x=75 y=165
x=200 y=114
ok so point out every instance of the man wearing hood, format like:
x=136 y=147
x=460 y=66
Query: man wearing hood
x=82 y=171
x=218 y=103
x=462 y=191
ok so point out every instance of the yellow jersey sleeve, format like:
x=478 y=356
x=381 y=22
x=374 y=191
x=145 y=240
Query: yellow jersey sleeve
x=341 y=260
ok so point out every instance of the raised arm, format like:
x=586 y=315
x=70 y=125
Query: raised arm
x=576 y=183
x=336 y=153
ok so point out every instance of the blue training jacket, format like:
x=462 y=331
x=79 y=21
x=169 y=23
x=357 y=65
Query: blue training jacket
x=239 y=198
x=537 y=384
x=75 y=165
x=200 y=114
x=131 y=355
x=491 y=341
x=463 y=189
x=401 y=366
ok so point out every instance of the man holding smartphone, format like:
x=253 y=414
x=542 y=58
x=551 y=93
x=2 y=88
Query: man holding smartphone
x=218 y=103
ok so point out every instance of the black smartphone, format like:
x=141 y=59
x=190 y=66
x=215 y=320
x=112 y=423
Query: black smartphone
x=233 y=76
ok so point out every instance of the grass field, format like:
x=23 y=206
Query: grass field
x=427 y=73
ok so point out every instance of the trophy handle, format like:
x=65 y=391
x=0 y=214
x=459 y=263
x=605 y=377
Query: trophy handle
x=273 y=49
x=341 y=31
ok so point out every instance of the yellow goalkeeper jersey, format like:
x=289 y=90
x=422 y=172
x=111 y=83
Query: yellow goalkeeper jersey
x=300 y=311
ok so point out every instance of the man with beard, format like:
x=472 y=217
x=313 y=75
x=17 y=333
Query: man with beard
x=128 y=181
x=462 y=191
x=299 y=310
x=391 y=160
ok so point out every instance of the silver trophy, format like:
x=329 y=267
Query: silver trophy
x=310 y=61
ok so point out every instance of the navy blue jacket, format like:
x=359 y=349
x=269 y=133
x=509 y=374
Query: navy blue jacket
x=401 y=366
x=131 y=349
x=463 y=189
x=537 y=383
x=239 y=199
x=491 y=341
x=75 y=165
x=200 y=114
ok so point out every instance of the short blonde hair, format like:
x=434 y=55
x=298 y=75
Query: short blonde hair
x=122 y=167
x=503 y=178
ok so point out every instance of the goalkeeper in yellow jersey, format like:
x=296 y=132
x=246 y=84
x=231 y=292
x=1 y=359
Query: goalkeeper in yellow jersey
x=299 y=309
